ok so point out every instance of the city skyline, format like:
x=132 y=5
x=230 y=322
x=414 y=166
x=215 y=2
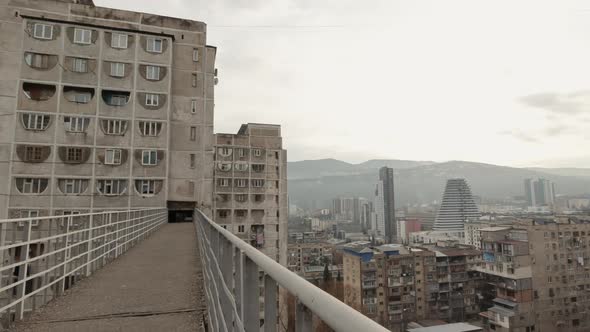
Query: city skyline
x=449 y=71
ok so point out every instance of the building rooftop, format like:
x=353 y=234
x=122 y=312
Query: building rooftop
x=495 y=228
x=453 y=327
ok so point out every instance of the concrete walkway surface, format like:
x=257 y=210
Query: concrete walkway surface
x=155 y=286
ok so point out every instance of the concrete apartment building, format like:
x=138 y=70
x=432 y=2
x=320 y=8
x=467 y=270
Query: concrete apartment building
x=395 y=285
x=539 y=273
x=103 y=109
x=250 y=192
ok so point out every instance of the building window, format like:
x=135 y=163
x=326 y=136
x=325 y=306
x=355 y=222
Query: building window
x=154 y=45
x=241 y=198
x=118 y=40
x=82 y=36
x=224 y=152
x=35 y=121
x=225 y=167
x=192 y=160
x=257 y=183
x=34 y=153
x=241 y=167
x=241 y=153
x=194 y=80
x=36 y=60
x=114 y=127
x=195 y=54
x=193 y=106
x=115 y=98
x=257 y=152
x=112 y=157
x=117 y=69
x=241 y=213
x=79 y=65
x=150 y=128
x=74 y=155
x=111 y=187
x=241 y=183
x=31 y=185
x=193 y=133
x=240 y=228
x=152 y=99
x=149 y=157
x=258 y=198
x=73 y=186
x=146 y=187
x=223 y=182
x=152 y=73
x=80 y=97
x=43 y=31
x=258 y=168
x=76 y=124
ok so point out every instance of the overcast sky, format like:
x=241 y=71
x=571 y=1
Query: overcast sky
x=497 y=81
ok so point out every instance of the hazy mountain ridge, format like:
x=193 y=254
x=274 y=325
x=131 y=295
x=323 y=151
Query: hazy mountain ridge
x=314 y=181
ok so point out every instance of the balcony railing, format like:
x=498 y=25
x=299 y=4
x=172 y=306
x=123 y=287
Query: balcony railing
x=231 y=282
x=44 y=256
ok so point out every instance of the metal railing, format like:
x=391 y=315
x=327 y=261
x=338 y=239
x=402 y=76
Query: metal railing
x=44 y=256
x=231 y=271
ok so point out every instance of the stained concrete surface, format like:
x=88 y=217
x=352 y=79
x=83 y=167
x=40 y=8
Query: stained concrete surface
x=155 y=286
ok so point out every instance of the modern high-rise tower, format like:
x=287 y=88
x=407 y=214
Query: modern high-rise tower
x=456 y=208
x=385 y=205
x=540 y=192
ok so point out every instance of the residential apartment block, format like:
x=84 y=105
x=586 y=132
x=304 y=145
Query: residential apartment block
x=103 y=109
x=250 y=192
x=539 y=273
x=395 y=285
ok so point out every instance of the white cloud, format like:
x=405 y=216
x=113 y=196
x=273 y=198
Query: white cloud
x=413 y=79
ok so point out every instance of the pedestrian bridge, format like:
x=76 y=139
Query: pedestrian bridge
x=134 y=271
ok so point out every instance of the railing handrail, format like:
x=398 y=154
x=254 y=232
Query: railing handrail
x=332 y=311
x=12 y=220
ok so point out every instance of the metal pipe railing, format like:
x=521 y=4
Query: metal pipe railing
x=232 y=287
x=44 y=256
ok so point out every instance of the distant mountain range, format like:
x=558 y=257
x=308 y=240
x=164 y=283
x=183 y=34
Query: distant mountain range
x=314 y=183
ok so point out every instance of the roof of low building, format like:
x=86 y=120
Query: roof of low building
x=452 y=327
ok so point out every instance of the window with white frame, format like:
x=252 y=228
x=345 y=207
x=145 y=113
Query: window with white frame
x=194 y=80
x=149 y=157
x=111 y=187
x=75 y=124
x=193 y=106
x=241 y=198
x=241 y=153
x=80 y=65
x=117 y=69
x=114 y=127
x=225 y=167
x=146 y=187
x=152 y=73
x=119 y=40
x=154 y=45
x=257 y=152
x=195 y=54
x=42 y=31
x=32 y=121
x=36 y=60
x=241 y=167
x=193 y=133
x=29 y=214
x=31 y=185
x=118 y=100
x=152 y=99
x=82 y=36
x=240 y=228
x=241 y=183
x=81 y=97
x=257 y=183
x=223 y=182
x=74 y=155
x=73 y=186
x=224 y=152
x=150 y=128
x=112 y=157
x=34 y=153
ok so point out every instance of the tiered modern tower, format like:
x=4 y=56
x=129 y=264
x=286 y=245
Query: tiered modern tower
x=456 y=208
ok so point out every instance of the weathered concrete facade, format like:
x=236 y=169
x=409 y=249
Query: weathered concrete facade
x=102 y=108
x=250 y=193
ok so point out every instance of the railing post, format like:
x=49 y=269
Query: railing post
x=23 y=269
x=251 y=296
x=226 y=267
x=270 y=304
x=90 y=246
x=238 y=283
x=62 y=284
x=303 y=318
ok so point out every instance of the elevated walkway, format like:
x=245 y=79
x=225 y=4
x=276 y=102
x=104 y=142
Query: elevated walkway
x=155 y=286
